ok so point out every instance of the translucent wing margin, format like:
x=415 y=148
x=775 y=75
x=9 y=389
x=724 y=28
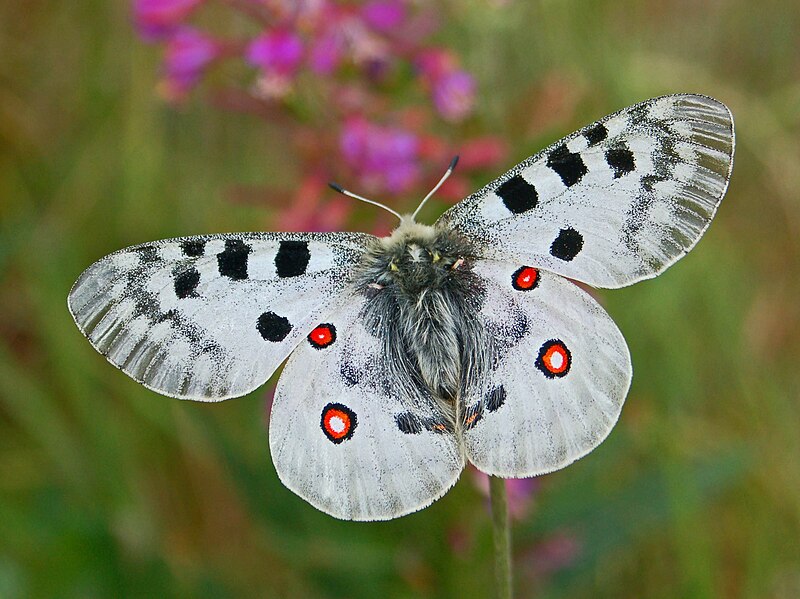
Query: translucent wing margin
x=211 y=317
x=617 y=202
x=560 y=377
x=350 y=440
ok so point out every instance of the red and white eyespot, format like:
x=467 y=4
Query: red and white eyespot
x=554 y=359
x=338 y=422
x=322 y=336
x=525 y=278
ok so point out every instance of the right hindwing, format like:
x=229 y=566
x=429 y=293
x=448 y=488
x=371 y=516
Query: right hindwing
x=560 y=373
x=211 y=317
x=348 y=435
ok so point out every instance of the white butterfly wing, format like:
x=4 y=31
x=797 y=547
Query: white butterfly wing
x=348 y=439
x=561 y=374
x=618 y=201
x=209 y=318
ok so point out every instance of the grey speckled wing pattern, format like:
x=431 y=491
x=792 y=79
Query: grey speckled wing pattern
x=614 y=203
x=212 y=317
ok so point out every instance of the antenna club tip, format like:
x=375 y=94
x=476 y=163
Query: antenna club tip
x=453 y=162
x=335 y=187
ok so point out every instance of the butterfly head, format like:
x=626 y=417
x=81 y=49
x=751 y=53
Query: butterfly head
x=416 y=257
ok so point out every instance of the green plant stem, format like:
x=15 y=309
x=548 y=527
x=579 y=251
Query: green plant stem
x=502 y=536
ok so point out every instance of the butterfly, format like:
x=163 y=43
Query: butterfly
x=413 y=354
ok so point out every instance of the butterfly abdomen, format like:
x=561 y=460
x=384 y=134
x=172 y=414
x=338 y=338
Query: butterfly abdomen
x=423 y=302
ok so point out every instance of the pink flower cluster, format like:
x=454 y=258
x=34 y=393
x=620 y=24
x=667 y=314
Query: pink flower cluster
x=378 y=86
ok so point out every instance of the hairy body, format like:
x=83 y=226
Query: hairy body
x=423 y=302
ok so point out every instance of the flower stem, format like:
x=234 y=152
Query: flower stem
x=502 y=536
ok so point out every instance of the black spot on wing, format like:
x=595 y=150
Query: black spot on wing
x=232 y=262
x=649 y=182
x=517 y=324
x=193 y=247
x=188 y=330
x=568 y=165
x=495 y=398
x=145 y=304
x=596 y=134
x=508 y=331
x=184 y=327
x=273 y=327
x=148 y=254
x=636 y=216
x=292 y=258
x=351 y=376
x=621 y=160
x=186 y=282
x=408 y=423
x=567 y=245
x=518 y=195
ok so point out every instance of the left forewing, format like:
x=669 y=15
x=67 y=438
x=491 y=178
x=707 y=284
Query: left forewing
x=211 y=317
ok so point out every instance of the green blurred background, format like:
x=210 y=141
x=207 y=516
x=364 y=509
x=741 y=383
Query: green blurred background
x=107 y=489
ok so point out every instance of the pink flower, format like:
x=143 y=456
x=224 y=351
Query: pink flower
x=556 y=552
x=384 y=15
x=383 y=157
x=454 y=95
x=158 y=19
x=452 y=88
x=482 y=152
x=326 y=53
x=434 y=63
x=520 y=492
x=188 y=53
x=306 y=211
x=279 y=51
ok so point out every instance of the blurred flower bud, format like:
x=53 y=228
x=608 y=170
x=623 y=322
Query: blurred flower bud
x=158 y=19
x=188 y=53
x=279 y=51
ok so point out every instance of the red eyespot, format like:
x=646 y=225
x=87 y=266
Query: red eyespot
x=525 y=278
x=338 y=422
x=323 y=336
x=554 y=359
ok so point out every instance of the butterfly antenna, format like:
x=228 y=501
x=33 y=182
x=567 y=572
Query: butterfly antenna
x=447 y=173
x=350 y=194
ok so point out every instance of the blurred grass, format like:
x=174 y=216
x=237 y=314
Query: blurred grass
x=107 y=489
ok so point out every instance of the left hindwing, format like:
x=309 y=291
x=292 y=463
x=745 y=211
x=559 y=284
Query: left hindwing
x=211 y=317
x=560 y=374
x=616 y=202
x=348 y=435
